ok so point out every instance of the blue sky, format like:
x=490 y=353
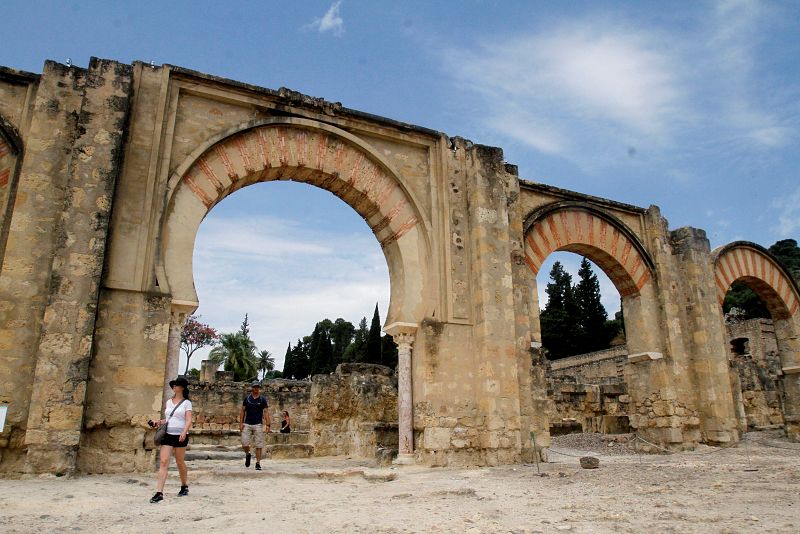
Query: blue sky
x=693 y=106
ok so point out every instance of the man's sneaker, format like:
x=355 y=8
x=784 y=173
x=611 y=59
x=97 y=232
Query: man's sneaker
x=157 y=497
x=247 y=460
x=184 y=491
x=258 y=466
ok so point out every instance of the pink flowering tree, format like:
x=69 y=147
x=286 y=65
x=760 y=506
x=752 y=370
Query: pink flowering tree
x=196 y=335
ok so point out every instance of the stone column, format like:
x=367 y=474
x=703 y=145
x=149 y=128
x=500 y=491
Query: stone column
x=704 y=331
x=404 y=334
x=172 y=367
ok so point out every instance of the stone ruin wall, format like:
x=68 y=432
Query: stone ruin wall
x=354 y=411
x=589 y=392
x=216 y=406
x=756 y=374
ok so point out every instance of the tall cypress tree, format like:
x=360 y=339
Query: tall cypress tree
x=374 y=339
x=325 y=352
x=559 y=319
x=317 y=367
x=288 y=363
x=594 y=333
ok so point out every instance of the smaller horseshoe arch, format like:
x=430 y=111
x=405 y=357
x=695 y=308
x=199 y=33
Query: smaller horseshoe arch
x=586 y=230
x=575 y=227
x=756 y=267
x=751 y=264
x=304 y=151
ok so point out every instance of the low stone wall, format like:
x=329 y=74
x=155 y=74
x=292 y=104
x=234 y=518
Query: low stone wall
x=588 y=393
x=600 y=367
x=354 y=410
x=216 y=404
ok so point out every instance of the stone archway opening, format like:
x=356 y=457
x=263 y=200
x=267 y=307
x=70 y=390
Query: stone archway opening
x=291 y=256
x=583 y=339
x=766 y=378
x=319 y=155
x=615 y=250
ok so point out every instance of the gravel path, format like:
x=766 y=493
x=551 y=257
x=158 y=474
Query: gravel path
x=751 y=488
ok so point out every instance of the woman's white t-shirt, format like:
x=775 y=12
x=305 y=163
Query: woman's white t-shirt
x=178 y=421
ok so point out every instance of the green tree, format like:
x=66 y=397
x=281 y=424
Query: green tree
x=388 y=351
x=288 y=363
x=322 y=355
x=317 y=367
x=595 y=333
x=302 y=358
x=560 y=318
x=356 y=351
x=341 y=334
x=237 y=353
x=787 y=251
x=266 y=362
x=373 y=349
x=742 y=297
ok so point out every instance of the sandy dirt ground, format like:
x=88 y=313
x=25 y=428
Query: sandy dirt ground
x=708 y=490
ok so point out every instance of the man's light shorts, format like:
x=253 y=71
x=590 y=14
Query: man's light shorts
x=253 y=435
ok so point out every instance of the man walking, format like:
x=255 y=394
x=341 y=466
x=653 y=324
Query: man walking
x=253 y=419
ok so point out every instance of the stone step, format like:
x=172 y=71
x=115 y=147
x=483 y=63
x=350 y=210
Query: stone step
x=231 y=438
x=274 y=451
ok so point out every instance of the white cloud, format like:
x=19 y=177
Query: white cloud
x=573 y=86
x=286 y=276
x=331 y=21
x=788 y=216
x=589 y=90
x=738 y=29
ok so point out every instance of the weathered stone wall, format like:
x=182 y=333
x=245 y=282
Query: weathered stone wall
x=217 y=404
x=354 y=410
x=756 y=366
x=577 y=407
x=588 y=393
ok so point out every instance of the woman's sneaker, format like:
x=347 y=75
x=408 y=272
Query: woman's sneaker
x=157 y=497
x=184 y=491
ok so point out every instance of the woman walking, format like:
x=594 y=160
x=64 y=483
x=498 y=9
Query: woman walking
x=178 y=416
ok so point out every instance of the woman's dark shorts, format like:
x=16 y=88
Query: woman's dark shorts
x=174 y=441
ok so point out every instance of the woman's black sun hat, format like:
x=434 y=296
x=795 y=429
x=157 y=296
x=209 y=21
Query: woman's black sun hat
x=180 y=381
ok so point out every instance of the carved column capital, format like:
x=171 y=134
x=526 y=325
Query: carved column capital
x=402 y=333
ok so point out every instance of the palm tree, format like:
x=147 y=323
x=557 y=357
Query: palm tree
x=266 y=362
x=238 y=354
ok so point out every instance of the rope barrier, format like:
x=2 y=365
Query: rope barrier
x=671 y=452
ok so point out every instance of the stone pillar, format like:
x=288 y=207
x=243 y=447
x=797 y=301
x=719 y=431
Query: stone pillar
x=172 y=368
x=786 y=333
x=404 y=334
x=706 y=339
x=65 y=347
x=208 y=371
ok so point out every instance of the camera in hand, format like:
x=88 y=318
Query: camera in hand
x=151 y=423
